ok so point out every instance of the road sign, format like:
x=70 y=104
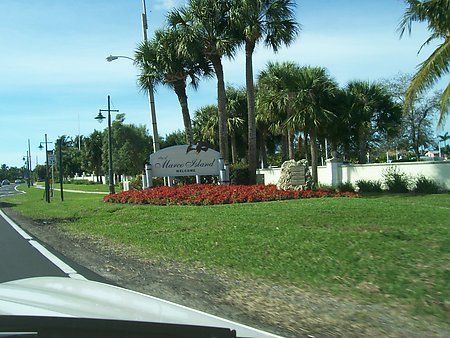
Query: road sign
x=51 y=159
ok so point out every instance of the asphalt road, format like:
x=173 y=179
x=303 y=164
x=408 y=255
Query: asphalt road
x=22 y=256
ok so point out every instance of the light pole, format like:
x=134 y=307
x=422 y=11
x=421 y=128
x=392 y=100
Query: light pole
x=100 y=118
x=27 y=170
x=30 y=181
x=47 y=182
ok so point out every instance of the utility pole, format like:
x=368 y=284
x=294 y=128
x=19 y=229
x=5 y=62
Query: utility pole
x=151 y=97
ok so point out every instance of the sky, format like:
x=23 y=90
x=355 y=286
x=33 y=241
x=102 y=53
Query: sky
x=54 y=76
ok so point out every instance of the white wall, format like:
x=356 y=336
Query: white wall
x=350 y=173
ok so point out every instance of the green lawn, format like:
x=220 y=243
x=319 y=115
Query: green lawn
x=396 y=246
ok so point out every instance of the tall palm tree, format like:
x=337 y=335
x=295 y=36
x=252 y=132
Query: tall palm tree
x=436 y=13
x=316 y=90
x=271 y=21
x=160 y=63
x=205 y=25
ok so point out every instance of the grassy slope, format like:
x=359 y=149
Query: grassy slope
x=395 y=246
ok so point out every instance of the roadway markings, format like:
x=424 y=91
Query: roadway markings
x=72 y=273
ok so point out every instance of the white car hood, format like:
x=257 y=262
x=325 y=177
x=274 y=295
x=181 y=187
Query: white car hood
x=67 y=297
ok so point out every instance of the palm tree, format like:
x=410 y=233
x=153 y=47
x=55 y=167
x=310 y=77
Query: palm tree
x=444 y=138
x=236 y=108
x=277 y=92
x=204 y=25
x=161 y=64
x=206 y=122
x=316 y=89
x=437 y=15
x=257 y=20
x=371 y=109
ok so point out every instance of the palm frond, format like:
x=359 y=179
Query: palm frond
x=436 y=65
x=444 y=105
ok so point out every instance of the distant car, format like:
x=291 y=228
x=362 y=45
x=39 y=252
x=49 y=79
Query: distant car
x=5 y=182
x=19 y=181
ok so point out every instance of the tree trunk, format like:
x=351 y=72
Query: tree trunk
x=313 y=142
x=221 y=107
x=251 y=153
x=284 y=147
x=306 y=146
x=233 y=148
x=362 y=159
x=299 y=147
x=180 y=90
x=262 y=147
x=291 y=149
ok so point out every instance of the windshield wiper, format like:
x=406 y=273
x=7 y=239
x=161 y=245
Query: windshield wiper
x=52 y=327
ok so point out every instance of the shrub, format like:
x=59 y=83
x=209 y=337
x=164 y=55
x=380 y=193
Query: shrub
x=424 y=185
x=345 y=187
x=136 y=183
x=239 y=173
x=81 y=182
x=396 y=181
x=369 y=186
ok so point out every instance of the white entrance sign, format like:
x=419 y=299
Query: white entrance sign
x=185 y=160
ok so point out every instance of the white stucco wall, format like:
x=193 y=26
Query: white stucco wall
x=351 y=173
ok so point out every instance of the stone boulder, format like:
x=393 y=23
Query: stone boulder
x=294 y=175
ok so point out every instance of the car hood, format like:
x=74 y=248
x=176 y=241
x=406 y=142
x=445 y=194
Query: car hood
x=68 y=297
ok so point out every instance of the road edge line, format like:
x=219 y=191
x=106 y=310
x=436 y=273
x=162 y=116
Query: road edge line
x=64 y=267
x=21 y=232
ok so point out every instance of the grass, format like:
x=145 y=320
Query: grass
x=382 y=248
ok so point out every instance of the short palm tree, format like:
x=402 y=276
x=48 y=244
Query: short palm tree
x=277 y=93
x=161 y=64
x=436 y=13
x=444 y=138
x=206 y=122
x=316 y=90
x=205 y=25
x=271 y=21
x=370 y=108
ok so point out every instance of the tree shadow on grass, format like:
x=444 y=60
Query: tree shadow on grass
x=7 y=204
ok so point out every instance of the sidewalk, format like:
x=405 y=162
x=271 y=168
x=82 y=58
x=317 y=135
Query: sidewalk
x=77 y=191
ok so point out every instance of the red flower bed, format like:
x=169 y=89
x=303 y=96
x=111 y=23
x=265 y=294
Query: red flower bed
x=207 y=194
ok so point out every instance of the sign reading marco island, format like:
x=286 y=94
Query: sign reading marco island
x=185 y=160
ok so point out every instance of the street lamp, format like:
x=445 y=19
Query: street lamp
x=151 y=101
x=100 y=118
x=47 y=182
x=151 y=98
x=115 y=57
x=27 y=169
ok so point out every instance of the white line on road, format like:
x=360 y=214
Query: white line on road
x=72 y=273
x=15 y=226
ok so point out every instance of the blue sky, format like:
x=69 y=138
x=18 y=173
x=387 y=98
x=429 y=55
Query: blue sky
x=54 y=76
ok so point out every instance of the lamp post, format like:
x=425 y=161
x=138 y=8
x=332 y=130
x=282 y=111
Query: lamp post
x=100 y=118
x=47 y=182
x=27 y=170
